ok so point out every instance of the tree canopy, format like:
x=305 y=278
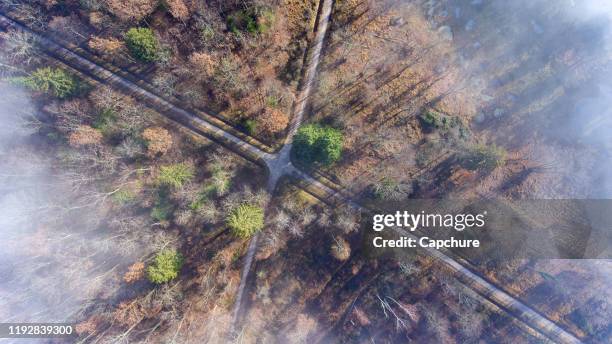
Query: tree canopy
x=55 y=81
x=165 y=267
x=158 y=140
x=318 y=144
x=175 y=175
x=254 y=20
x=388 y=189
x=482 y=157
x=246 y=220
x=142 y=44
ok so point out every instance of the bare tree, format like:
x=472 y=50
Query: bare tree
x=401 y=323
x=31 y=15
x=20 y=46
x=69 y=115
x=294 y=228
x=281 y=219
x=341 y=249
x=130 y=148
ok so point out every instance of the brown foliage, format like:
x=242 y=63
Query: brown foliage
x=89 y=326
x=178 y=9
x=67 y=27
x=97 y=19
x=135 y=272
x=105 y=98
x=69 y=115
x=304 y=326
x=107 y=46
x=131 y=9
x=203 y=62
x=48 y=3
x=272 y=121
x=412 y=311
x=158 y=139
x=361 y=316
x=295 y=11
x=129 y=313
x=85 y=136
x=341 y=249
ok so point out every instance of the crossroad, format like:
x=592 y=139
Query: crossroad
x=279 y=163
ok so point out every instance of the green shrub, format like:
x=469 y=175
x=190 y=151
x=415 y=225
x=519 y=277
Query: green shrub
x=255 y=20
x=273 y=101
x=142 y=44
x=105 y=121
x=265 y=19
x=203 y=196
x=165 y=267
x=239 y=21
x=249 y=126
x=175 y=175
x=388 y=190
x=207 y=33
x=483 y=157
x=228 y=78
x=123 y=196
x=245 y=220
x=162 y=210
x=54 y=81
x=317 y=144
x=428 y=151
x=221 y=181
x=430 y=119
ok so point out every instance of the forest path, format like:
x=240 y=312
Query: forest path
x=279 y=162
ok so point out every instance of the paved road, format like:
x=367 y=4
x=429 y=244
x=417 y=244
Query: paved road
x=279 y=164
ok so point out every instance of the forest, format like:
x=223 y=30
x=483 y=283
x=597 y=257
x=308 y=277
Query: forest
x=182 y=171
